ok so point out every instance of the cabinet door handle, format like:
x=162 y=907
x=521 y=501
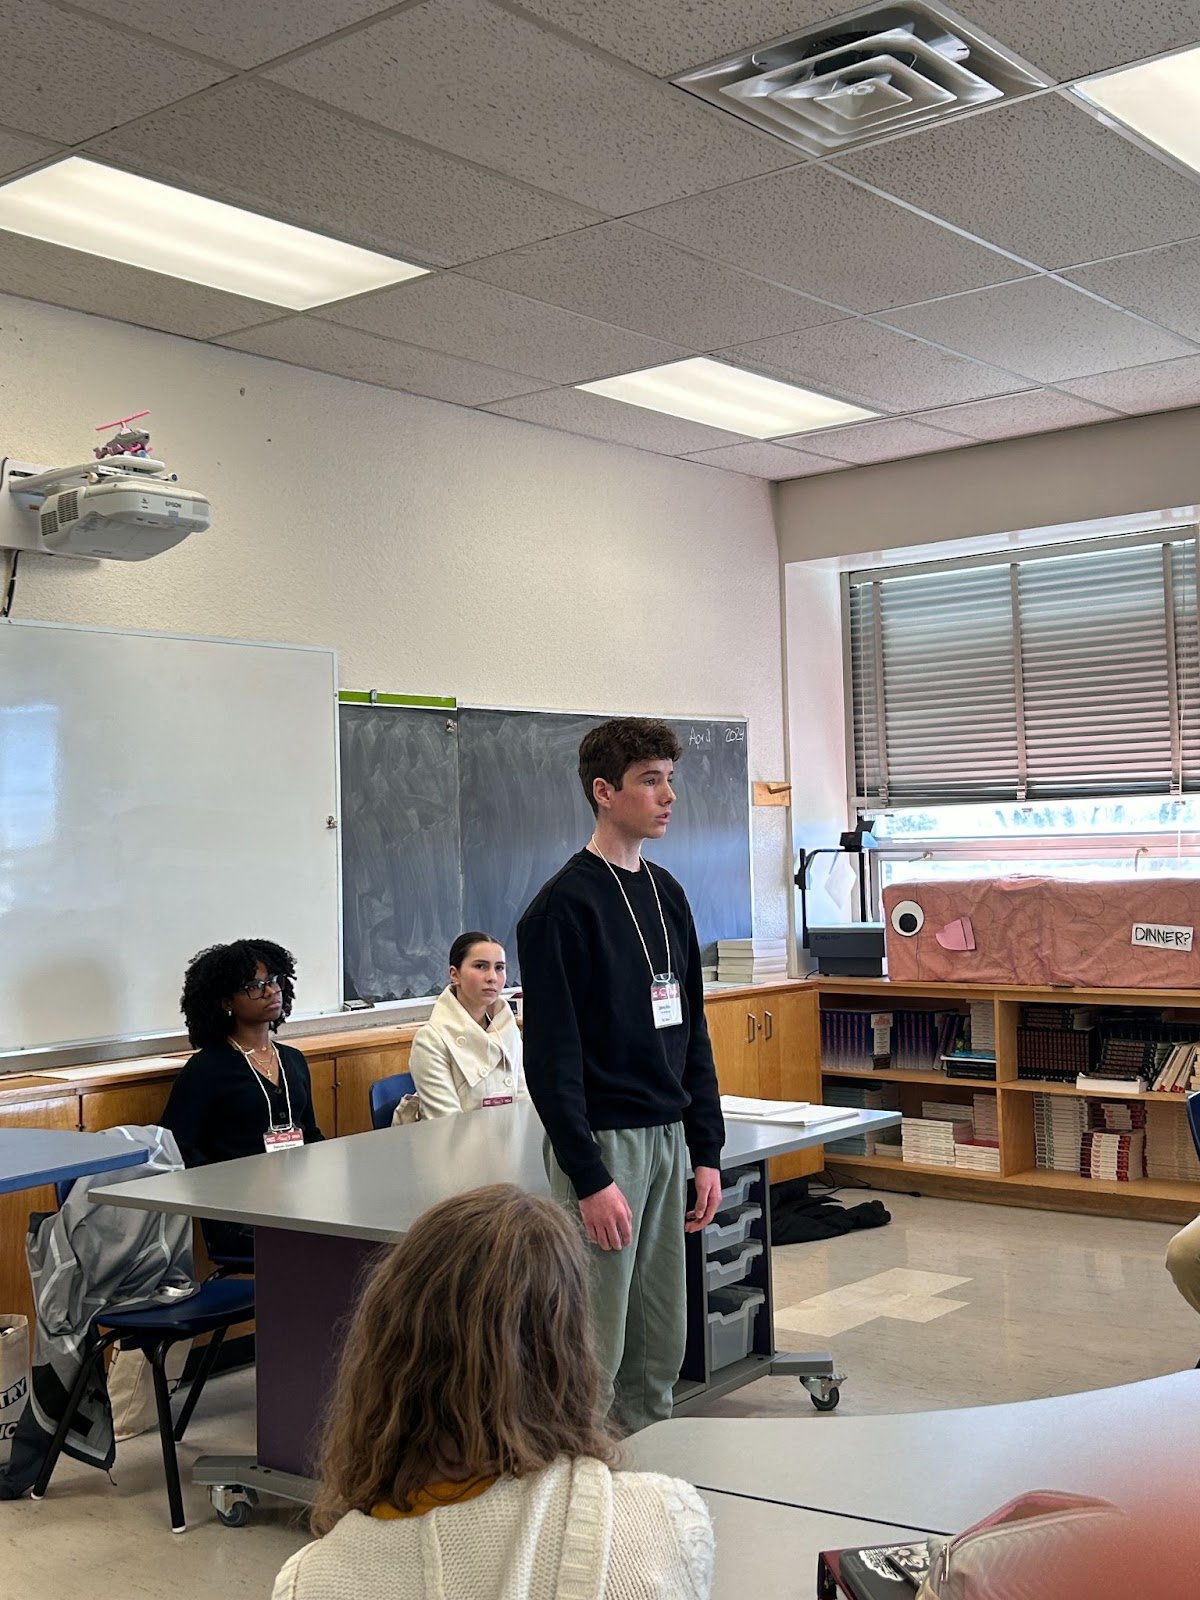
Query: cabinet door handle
x=751 y=1025
x=770 y=1024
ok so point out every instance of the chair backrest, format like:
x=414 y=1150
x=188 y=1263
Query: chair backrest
x=1193 y=1115
x=386 y=1095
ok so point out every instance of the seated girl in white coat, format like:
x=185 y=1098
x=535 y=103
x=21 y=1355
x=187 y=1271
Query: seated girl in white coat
x=465 y=1453
x=468 y=1055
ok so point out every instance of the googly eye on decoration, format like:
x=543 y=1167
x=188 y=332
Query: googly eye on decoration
x=907 y=918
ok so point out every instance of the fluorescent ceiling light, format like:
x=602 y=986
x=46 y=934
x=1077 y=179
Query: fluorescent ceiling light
x=727 y=397
x=89 y=207
x=1158 y=99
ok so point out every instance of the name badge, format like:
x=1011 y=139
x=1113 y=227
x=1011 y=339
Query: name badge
x=282 y=1139
x=665 y=1001
x=499 y=1100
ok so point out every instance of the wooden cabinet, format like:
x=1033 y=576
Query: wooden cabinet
x=138 y=1104
x=355 y=1073
x=766 y=1044
x=322 y=1070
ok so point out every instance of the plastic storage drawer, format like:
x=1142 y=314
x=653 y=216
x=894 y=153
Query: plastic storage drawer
x=736 y=1187
x=732 y=1228
x=724 y=1267
x=731 y=1317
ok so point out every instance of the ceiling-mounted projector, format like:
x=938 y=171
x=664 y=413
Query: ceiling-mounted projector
x=126 y=510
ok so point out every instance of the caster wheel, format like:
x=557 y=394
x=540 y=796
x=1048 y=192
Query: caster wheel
x=237 y=1516
x=826 y=1402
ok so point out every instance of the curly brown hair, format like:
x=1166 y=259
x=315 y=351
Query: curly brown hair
x=609 y=750
x=470 y=1354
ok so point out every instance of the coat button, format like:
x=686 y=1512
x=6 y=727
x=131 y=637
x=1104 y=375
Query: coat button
x=461 y=1043
x=508 y=1081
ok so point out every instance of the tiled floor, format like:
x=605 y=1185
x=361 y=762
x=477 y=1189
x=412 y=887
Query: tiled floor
x=951 y=1304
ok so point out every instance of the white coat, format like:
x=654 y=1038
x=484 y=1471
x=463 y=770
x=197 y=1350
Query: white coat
x=457 y=1065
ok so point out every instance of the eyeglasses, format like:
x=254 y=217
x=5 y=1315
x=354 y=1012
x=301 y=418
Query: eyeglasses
x=259 y=986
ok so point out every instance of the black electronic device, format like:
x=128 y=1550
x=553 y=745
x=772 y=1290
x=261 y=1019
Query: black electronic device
x=848 y=949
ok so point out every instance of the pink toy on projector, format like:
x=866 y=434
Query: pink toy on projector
x=1131 y=934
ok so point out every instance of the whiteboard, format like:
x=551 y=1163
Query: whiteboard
x=158 y=794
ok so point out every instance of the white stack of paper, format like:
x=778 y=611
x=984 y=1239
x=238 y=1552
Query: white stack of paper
x=931 y=1143
x=792 y=1113
x=977 y=1157
x=751 y=960
x=986 y=1118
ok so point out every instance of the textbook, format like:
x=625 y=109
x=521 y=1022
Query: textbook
x=793 y=1113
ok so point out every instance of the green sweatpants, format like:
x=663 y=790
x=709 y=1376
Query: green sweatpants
x=639 y=1294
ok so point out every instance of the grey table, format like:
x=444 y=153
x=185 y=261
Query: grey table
x=30 y=1157
x=941 y=1471
x=321 y=1211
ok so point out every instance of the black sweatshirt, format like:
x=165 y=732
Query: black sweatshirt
x=217 y=1109
x=593 y=1057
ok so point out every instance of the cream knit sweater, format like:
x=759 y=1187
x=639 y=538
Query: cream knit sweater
x=573 y=1532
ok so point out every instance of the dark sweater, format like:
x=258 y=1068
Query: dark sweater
x=593 y=1057
x=217 y=1110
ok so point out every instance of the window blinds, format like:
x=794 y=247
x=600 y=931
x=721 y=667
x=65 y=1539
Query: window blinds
x=1049 y=677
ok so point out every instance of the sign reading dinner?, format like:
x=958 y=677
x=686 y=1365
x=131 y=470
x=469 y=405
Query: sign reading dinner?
x=1161 y=936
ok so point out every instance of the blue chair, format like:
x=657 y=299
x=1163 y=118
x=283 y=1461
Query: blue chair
x=217 y=1306
x=386 y=1095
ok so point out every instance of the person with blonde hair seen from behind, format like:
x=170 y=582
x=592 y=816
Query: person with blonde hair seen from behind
x=468 y=1055
x=465 y=1452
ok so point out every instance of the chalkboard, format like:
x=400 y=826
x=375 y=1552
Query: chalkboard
x=504 y=808
x=401 y=879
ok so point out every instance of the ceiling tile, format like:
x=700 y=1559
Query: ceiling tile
x=1163 y=386
x=255 y=145
x=490 y=86
x=65 y=77
x=1041 y=178
x=231 y=30
x=16 y=151
x=483 y=323
x=1067 y=38
x=127 y=294
x=1010 y=415
x=867 y=363
x=574 y=411
x=760 y=460
x=636 y=280
x=307 y=342
x=882 y=441
x=1040 y=328
x=1163 y=285
x=670 y=35
x=864 y=252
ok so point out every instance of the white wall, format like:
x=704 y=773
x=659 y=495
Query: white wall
x=439 y=550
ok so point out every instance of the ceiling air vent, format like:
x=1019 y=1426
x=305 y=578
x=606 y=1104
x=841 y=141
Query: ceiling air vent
x=881 y=71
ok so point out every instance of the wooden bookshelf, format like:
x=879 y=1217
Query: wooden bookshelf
x=1020 y=1182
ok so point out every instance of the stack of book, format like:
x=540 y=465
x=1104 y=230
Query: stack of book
x=1116 y=1116
x=915 y=1036
x=1129 y=1064
x=986 y=1117
x=1055 y=1043
x=1170 y=1153
x=931 y=1142
x=862 y=1097
x=1176 y=1068
x=977 y=1157
x=983 y=1027
x=1117 y=1157
x=949 y=1111
x=1059 y=1124
x=751 y=960
x=848 y=1042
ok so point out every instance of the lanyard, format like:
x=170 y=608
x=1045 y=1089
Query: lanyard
x=258 y=1080
x=633 y=913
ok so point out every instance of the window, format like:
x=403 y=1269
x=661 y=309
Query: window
x=1063 y=674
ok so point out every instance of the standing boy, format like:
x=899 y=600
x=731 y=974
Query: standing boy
x=619 y=1065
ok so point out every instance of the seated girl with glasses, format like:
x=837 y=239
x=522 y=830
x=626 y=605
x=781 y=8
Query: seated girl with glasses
x=241 y=1094
x=464 y=1451
x=468 y=1055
